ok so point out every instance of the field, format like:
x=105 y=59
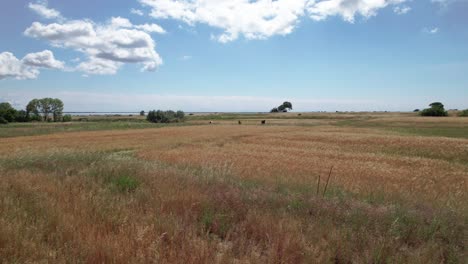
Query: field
x=309 y=188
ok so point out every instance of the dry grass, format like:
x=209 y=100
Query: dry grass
x=233 y=194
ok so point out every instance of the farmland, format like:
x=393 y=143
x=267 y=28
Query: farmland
x=309 y=188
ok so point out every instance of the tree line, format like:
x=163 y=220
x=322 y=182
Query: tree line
x=39 y=110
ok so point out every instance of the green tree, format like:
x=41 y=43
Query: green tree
x=7 y=112
x=282 y=108
x=287 y=105
x=142 y=113
x=56 y=108
x=165 y=116
x=46 y=107
x=32 y=108
x=436 y=109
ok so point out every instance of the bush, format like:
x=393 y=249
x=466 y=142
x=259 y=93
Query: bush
x=464 y=113
x=67 y=118
x=21 y=116
x=437 y=109
x=165 y=116
x=7 y=112
x=3 y=121
x=126 y=184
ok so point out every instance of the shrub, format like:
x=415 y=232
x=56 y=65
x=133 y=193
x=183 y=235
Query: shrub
x=3 y=121
x=464 y=113
x=126 y=184
x=7 y=112
x=21 y=116
x=437 y=109
x=67 y=118
x=142 y=113
x=165 y=116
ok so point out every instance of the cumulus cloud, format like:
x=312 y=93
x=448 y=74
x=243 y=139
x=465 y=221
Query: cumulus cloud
x=43 y=59
x=347 y=9
x=107 y=46
x=41 y=8
x=137 y=12
x=28 y=67
x=263 y=18
x=401 y=10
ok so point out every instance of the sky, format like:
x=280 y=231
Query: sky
x=235 y=55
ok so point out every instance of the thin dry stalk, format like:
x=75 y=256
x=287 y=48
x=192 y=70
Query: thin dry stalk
x=318 y=185
x=328 y=180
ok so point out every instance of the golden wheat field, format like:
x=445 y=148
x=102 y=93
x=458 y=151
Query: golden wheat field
x=386 y=189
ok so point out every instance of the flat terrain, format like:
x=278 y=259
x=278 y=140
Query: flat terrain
x=309 y=188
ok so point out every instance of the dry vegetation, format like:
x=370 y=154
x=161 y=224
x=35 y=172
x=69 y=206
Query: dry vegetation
x=228 y=193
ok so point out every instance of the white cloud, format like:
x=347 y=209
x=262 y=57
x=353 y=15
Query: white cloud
x=186 y=58
x=253 y=20
x=260 y=19
x=43 y=59
x=433 y=30
x=27 y=68
x=40 y=7
x=347 y=9
x=137 y=12
x=108 y=46
x=151 y=28
x=99 y=66
x=401 y=10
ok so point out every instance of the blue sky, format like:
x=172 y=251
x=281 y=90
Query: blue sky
x=236 y=55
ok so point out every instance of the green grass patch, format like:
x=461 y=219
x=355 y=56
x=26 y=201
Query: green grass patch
x=125 y=184
x=35 y=129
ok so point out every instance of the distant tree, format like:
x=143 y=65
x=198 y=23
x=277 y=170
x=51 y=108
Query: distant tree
x=165 y=116
x=32 y=108
x=437 y=105
x=21 y=116
x=436 y=109
x=281 y=108
x=287 y=105
x=7 y=112
x=416 y=110
x=67 y=118
x=180 y=115
x=142 y=113
x=57 y=109
x=463 y=113
x=46 y=107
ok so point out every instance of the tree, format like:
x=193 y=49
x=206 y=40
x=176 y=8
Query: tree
x=32 y=108
x=67 y=118
x=165 y=116
x=46 y=107
x=287 y=105
x=436 y=109
x=142 y=113
x=7 y=112
x=282 y=108
x=21 y=116
x=437 y=105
